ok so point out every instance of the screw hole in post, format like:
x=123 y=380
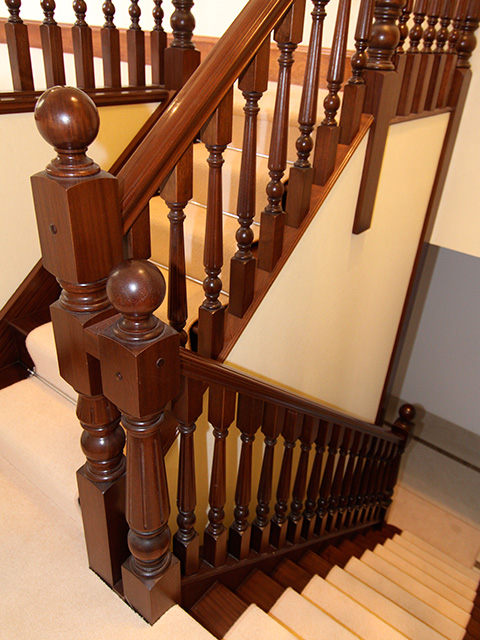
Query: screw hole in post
x=53 y=229
x=118 y=376
x=160 y=362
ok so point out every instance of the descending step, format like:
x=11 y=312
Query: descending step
x=218 y=610
x=289 y=574
x=314 y=564
x=255 y=623
x=260 y=589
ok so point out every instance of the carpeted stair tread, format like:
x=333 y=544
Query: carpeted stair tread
x=335 y=556
x=430 y=569
x=307 y=620
x=255 y=623
x=363 y=575
x=315 y=564
x=348 y=612
x=289 y=574
x=424 y=578
x=260 y=589
x=218 y=609
x=416 y=588
x=474 y=574
x=445 y=567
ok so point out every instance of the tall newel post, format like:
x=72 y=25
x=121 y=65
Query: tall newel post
x=79 y=224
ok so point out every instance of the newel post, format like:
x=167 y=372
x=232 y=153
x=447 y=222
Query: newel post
x=79 y=224
x=140 y=364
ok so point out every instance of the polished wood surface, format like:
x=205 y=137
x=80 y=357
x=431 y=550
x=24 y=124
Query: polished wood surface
x=82 y=47
x=16 y=34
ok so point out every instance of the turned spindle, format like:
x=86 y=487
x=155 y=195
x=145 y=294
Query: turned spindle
x=412 y=59
x=309 y=513
x=135 y=47
x=110 y=37
x=82 y=47
x=426 y=58
x=52 y=46
x=440 y=56
x=181 y=57
x=158 y=44
x=467 y=40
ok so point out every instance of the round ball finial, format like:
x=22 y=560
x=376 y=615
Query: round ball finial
x=407 y=412
x=136 y=288
x=67 y=118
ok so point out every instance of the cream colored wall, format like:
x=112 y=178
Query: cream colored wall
x=23 y=152
x=328 y=323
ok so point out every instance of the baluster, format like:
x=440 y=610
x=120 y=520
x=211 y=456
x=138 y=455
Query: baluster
x=176 y=192
x=334 y=500
x=253 y=83
x=272 y=423
x=291 y=432
x=221 y=414
x=287 y=34
x=52 y=47
x=216 y=134
x=363 y=488
x=137 y=241
x=308 y=436
x=452 y=55
x=249 y=416
x=382 y=478
x=158 y=44
x=140 y=365
x=325 y=488
x=387 y=488
x=439 y=57
x=309 y=514
x=370 y=495
x=328 y=133
x=77 y=205
x=348 y=480
x=110 y=48
x=186 y=408
x=354 y=92
x=135 y=47
x=412 y=61
x=381 y=101
x=181 y=57
x=300 y=179
x=350 y=515
x=467 y=41
x=16 y=33
x=82 y=47
x=400 y=59
x=426 y=58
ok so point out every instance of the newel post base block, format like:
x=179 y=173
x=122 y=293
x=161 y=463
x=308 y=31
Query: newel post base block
x=180 y=64
x=215 y=548
x=239 y=542
x=104 y=525
x=152 y=597
x=260 y=540
x=299 y=190
x=188 y=552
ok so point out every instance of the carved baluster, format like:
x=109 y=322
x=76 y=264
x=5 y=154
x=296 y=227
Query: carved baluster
x=308 y=436
x=439 y=57
x=309 y=514
x=291 y=432
x=328 y=133
x=300 y=179
x=287 y=35
x=387 y=489
x=186 y=408
x=426 y=58
x=253 y=82
x=16 y=33
x=364 y=480
x=381 y=101
x=327 y=478
x=348 y=480
x=370 y=495
x=77 y=205
x=334 y=500
x=350 y=515
x=177 y=192
x=400 y=59
x=140 y=364
x=158 y=44
x=412 y=60
x=272 y=423
x=135 y=47
x=82 y=47
x=221 y=414
x=382 y=478
x=216 y=134
x=354 y=92
x=110 y=48
x=249 y=416
x=52 y=47
x=452 y=55
x=467 y=41
x=181 y=57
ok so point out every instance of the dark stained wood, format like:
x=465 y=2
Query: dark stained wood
x=181 y=57
x=371 y=489
x=52 y=47
x=287 y=35
x=314 y=564
x=355 y=496
x=362 y=496
x=135 y=48
x=440 y=56
x=426 y=58
x=300 y=178
x=335 y=556
x=16 y=34
x=289 y=574
x=467 y=40
x=328 y=133
x=218 y=610
x=82 y=47
x=348 y=480
x=353 y=550
x=138 y=238
x=327 y=478
x=309 y=514
x=452 y=56
x=221 y=414
x=260 y=589
x=334 y=500
x=412 y=60
x=110 y=37
x=272 y=423
x=158 y=44
x=253 y=83
x=216 y=134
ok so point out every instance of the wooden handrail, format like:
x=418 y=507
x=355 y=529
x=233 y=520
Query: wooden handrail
x=149 y=166
x=212 y=373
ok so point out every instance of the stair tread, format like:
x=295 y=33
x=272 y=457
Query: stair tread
x=315 y=564
x=289 y=574
x=218 y=609
x=255 y=623
x=260 y=589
